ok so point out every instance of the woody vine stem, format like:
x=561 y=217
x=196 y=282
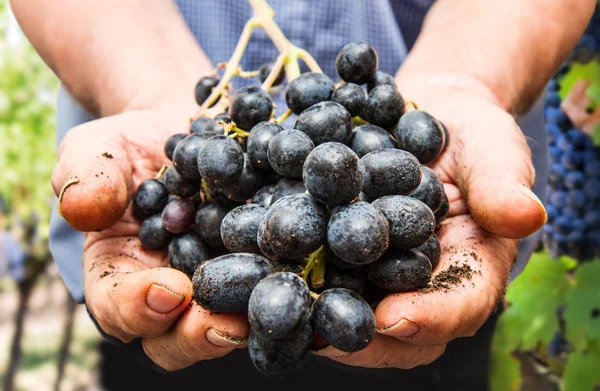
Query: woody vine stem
x=289 y=54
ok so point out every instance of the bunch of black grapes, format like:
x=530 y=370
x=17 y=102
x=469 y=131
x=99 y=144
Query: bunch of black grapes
x=573 y=194
x=305 y=229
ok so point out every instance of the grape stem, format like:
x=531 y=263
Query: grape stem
x=161 y=171
x=288 y=57
x=359 y=121
x=232 y=128
x=315 y=267
x=283 y=116
x=205 y=190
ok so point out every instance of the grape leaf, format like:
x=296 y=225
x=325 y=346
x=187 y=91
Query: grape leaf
x=581 y=372
x=533 y=298
x=590 y=71
x=505 y=373
x=582 y=313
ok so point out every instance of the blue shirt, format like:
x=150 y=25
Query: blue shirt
x=322 y=27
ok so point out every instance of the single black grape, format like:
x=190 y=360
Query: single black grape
x=442 y=212
x=400 y=271
x=286 y=187
x=332 y=174
x=358 y=233
x=292 y=228
x=430 y=190
x=421 y=134
x=336 y=277
x=208 y=223
x=390 y=172
x=249 y=106
x=200 y=124
x=258 y=142
x=150 y=198
x=411 y=221
x=324 y=122
x=369 y=138
x=247 y=184
x=343 y=319
x=220 y=161
x=432 y=250
x=186 y=252
x=204 y=88
x=282 y=357
x=384 y=107
x=351 y=96
x=356 y=62
x=308 y=89
x=279 y=306
x=178 y=185
x=178 y=215
x=239 y=228
x=379 y=79
x=153 y=235
x=287 y=152
x=265 y=69
x=172 y=142
x=185 y=156
x=264 y=195
x=225 y=283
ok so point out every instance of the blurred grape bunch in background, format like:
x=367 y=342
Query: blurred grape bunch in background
x=548 y=337
x=27 y=157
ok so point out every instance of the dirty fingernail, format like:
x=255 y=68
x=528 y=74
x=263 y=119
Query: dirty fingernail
x=225 y=341
x=404 y=328
x=162 y=299
x=531 y=195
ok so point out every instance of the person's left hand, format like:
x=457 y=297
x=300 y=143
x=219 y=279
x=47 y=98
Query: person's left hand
x=487 y=172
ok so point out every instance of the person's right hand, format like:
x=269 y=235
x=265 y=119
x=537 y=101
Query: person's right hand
x=131 y=291
x=575 y=107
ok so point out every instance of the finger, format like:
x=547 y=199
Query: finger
x=198 y=335
x=578 y=91
x=130 y=300
x=471 y=278
x=385 y=352
x=495 y=174
x=92 y=177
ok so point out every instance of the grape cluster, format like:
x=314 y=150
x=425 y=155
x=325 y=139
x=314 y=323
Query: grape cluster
x=573 y=193
x=305 y=229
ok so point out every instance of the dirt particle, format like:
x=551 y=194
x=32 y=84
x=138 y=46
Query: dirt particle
x=107 y=155
x=449 y=278
x=105 y=273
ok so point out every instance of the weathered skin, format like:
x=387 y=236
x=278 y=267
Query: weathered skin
x=411 y=221
x=287 y=152
x=239 y=228
x=390 y=172
x=400 y=271
x=279 y=306
x=369 y=138
x=430 y=190
x=358 y=233
x=332 y=174
x=308 y=89
x=292 y=228
x=220 y=161
x=343 y=319
x=225 y=283
x=187 y=252
x=324 y=122
x=420 y=134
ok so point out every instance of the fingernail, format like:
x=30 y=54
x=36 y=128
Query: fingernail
x=223 y=340
x=162 y=299
x=404 y=328
x=531 y=195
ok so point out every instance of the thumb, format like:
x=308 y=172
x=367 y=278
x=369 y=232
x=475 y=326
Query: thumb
x=496 y=175
x=92 y=178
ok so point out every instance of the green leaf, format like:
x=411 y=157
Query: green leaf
x=581 y=372
x=533 y=298
x=505 y=373
x=590 y=71
x=582 y=313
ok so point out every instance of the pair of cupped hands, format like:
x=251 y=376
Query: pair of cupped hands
x=132 y=293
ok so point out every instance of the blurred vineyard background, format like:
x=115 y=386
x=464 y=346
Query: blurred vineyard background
x=47 y=342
